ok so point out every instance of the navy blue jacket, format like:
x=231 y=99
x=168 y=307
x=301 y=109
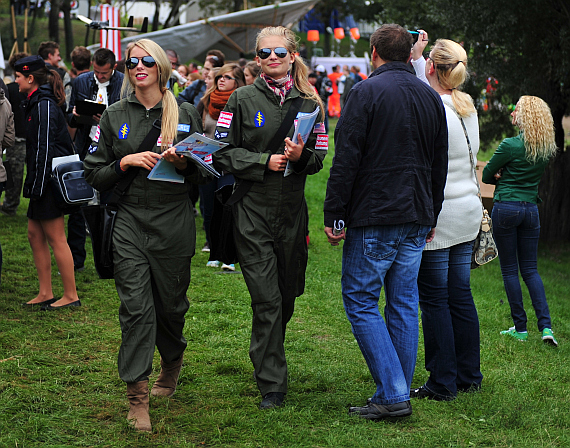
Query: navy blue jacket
x=46 y=138
x=194 y=92
x=390 y=163
x=85 y=88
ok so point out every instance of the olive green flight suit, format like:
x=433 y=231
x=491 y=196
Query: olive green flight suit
x=270 y=221
x=153 y=240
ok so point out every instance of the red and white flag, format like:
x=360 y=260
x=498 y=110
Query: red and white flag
x=111 y=39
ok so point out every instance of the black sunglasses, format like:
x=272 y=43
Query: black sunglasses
x=280 y=52
x=148 y=61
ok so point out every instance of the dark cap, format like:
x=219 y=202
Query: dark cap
x=29 y=64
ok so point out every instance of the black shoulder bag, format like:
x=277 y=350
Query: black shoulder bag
x=100 y=218
x=222 y=244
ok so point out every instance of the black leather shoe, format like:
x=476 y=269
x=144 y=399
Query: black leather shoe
x=54 y=308
x=272 y=400
x=373 y=411
x=422 y=392
x=39 y=304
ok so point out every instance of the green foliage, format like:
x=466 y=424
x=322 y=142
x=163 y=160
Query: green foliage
x=59 y=386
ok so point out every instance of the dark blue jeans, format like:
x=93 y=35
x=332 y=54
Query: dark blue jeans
x=449 y=320
x=516 y=228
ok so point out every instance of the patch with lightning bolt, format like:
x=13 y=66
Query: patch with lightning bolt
x=259 y=119
x=124 y=131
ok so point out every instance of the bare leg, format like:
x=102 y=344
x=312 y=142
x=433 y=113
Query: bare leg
x=54 y=230
x=42 y=260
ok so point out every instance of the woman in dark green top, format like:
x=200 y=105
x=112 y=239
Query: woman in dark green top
x=516 y=169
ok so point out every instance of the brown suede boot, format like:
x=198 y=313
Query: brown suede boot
x=137 y=394
x=165 y=384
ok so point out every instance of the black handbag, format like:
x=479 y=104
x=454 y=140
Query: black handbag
x=222 y=244
x=69 y=187
x=101 y=218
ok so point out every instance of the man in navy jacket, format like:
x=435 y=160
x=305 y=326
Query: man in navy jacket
x=101 y=85
x=386 y=187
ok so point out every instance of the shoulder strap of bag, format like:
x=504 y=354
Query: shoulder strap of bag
x=273 y=146
x=471 y=158
x=146 y=145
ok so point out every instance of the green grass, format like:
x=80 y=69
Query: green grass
x=59 y=385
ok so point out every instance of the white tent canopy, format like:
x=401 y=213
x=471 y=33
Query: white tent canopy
x=232 y=33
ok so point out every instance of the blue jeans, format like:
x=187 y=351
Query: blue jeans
x=516 y=228
x=449 y=320
x=388 y=256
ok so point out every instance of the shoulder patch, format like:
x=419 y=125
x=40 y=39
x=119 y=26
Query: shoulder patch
x=220 y=135
x=124 y=131
x=225 y=120
x=319 y=128
x=183 y=127
x=97 y=134
x=259 y=119
x=322 y=142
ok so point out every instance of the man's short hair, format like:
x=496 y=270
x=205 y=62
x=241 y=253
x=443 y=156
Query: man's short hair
x=104 y=56
x=172 y=54
x=15 y=58
x=47 y=48
x=218 y=54
x=81 y=58
x=392 y=43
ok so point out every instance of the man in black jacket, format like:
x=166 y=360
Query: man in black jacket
x=386 y=187
x=103 y=85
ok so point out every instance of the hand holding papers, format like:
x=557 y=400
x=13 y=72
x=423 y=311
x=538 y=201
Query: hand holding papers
x=199 y=149
x=304 y=126
x=196 y=148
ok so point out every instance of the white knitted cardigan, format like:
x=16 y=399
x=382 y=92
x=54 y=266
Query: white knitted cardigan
x=461 y=213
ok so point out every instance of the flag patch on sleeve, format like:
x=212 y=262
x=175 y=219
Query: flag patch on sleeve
x=322 y=142
x=225 y=120
x=319 y=128
x=97 y=134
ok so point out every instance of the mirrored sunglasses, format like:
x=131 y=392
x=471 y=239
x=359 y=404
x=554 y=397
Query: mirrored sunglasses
x=280 y=52
x=147 y=61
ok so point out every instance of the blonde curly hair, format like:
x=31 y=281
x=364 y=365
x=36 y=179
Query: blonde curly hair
x=535 y=121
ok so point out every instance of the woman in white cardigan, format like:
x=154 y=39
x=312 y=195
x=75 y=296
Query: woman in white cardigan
x=449 y=317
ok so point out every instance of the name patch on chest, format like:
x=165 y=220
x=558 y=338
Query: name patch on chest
x=225 y=120
x=183 y=127
x=124 y=131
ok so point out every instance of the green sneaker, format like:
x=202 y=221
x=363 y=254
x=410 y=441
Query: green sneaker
x=548 y=337
x=515 y=334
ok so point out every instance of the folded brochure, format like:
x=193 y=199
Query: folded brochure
x=303 y=125
x=196 y=147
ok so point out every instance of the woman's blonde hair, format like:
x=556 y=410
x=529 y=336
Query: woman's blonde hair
x=299 y=71
x=169 y=125
x=535 y=121
x=450 y=61
x=205 y=100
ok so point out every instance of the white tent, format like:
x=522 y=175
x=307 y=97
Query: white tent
x=232 y=33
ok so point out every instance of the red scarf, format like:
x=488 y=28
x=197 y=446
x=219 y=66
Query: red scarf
x=218 y=100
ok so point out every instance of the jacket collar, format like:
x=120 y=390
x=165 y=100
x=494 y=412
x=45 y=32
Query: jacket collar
x=133 y=99
x=392 y=66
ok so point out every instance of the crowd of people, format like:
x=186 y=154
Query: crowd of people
x=402 y=194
